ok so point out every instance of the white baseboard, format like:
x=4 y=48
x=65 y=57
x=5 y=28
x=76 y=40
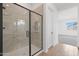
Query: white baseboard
x=46 y=51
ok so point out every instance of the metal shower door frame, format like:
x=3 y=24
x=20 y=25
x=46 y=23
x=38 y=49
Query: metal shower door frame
x=1 y=29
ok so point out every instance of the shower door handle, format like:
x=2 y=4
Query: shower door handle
x=27 y=33
x=3 y=27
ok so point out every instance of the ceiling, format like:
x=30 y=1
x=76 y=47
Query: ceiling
x=62 y=6
x=35 y=5
x=59 y=6
x=31 y=6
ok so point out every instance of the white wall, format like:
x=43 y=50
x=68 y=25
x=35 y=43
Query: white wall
x=64 y=16
x=68 y=36
x=55 y=27
x=49 y=26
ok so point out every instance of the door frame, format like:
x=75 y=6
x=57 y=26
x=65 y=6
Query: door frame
x=1 y=31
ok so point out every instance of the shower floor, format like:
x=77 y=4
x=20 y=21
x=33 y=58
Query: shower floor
x=22 y=51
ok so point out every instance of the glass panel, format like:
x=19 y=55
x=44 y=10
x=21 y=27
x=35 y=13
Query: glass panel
x=15 y=30
x=35 y=33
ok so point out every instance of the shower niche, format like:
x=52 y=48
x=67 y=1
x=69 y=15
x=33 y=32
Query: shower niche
x=22 y=31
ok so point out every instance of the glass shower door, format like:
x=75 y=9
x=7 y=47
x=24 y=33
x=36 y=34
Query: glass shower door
x=36 y=33
x=15 y=30
x=22 y=31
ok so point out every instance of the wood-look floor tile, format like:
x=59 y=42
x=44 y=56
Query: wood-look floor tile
x=61 y=50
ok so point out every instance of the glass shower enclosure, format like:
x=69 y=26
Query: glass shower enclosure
x=22 y=31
